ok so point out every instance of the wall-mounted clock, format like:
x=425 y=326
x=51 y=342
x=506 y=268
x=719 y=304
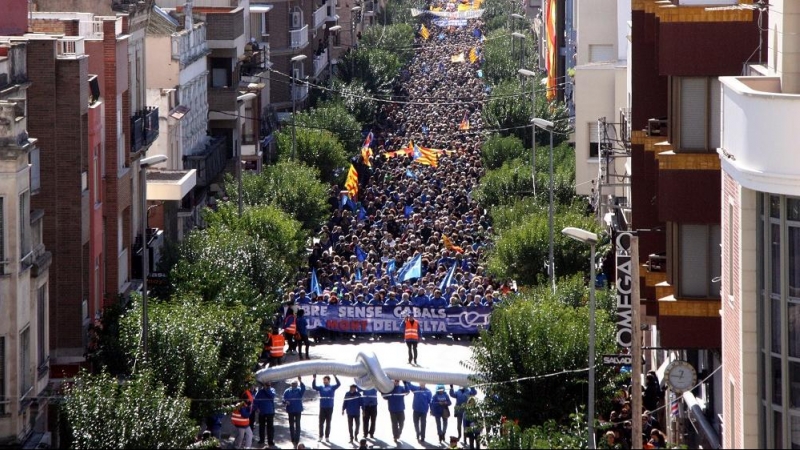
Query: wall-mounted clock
x=680 y=376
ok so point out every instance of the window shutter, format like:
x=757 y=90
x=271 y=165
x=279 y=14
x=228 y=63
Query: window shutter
x=601 y=53
x=593 y=137
x=715 y=124
x=694 y=113
x=694 y=260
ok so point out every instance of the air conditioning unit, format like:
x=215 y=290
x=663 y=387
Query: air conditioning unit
x=297 y=19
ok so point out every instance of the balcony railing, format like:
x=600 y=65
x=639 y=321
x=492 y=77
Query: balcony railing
x=657 y=127
x=255 y=62
x=299 y=37
x=320 y=16
x=299 y=92
x=320 y=62
x=209 y=162
x=70 y=47
x=188 y=46
x=122 y=265
x=144 y=128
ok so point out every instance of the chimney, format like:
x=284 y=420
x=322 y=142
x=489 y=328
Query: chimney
x=14 y=19
x=187 y=16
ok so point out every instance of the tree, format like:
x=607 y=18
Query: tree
x=291 y=186
x=334 y=117
x=196 y=349
x=521 y=251
x=549 y=435
x=355 y=98
x=319 y=149
x=138 y=413
x=375 y=68
x=501 y=64
x=498 y=149
x=534 y=355
x=397 y=38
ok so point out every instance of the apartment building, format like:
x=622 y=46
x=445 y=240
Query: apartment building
x=760 y=219
x=679 y=49
x=601 y=101
x=24 y=271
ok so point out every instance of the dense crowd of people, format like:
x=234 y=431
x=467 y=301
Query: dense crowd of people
x=617 y=425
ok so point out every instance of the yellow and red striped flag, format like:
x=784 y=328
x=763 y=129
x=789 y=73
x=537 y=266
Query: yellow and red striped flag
x=425 y=156
x=464 y=125
x=423 y=31
x=366 y=154
x=448 y=244
x=351 y=184
x=473 y=55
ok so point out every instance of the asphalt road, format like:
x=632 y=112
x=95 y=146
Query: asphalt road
x=444 y=355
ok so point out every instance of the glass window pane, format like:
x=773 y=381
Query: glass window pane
x=777 y=391
x=777 y=429
x=775 y=258
x=775 y=206
x=795 y=432
x=794 y=262
x=694 y=270
x=715 y=260
x=792 y=208
x=794 y=387
x=776 y=325
x=794 y=329
x=693 y=115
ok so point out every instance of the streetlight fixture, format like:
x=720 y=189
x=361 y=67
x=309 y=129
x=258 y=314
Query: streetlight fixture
x=295 y=59
x=551 y=269
x=532 y=75
x=144 y=163
x=353 y=11
x=242 y=98
x=587 y=237
x=515 y=35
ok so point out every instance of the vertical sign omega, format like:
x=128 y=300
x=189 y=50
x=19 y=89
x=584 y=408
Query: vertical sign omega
x=624 y=290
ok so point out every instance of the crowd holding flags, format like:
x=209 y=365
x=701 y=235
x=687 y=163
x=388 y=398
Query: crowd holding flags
x=464 y=125
x=423 y=31
x=351 y=184
x=424 y=155
x=448 y=244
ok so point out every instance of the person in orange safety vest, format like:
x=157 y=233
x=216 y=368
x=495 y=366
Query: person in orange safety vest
x=411 y=334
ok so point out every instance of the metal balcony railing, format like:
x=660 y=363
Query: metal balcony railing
x=299 y=37
x=144 y=128
x=299 y=92
x=320 y=62
x=209 y=162
x=70 y=47
x=320 y=16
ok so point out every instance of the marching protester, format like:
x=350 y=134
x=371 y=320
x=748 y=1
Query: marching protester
x=411 y=336
x=462 y=395
x=420 y=406
x=440 y=410
x=369 y=406
x=264 y=403
x=240 y=418
x=293 y=401
x=397 y=408
x=326 y=393
x=352 y=406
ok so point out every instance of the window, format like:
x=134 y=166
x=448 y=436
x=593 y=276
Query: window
x=220 y=72
x=24 y=224
x=594 y=141
x=696 y=112
x=601 y=53
x=96 y=175
x=120 y=136
x=2 y=375
x=264 y=24
x=700 y=260
x=41 y=326
x=25 y=378
x=2 y=234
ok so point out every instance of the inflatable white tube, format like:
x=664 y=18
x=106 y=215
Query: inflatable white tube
x=367 y=371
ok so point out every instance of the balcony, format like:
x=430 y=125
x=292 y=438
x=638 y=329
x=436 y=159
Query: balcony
x=299 y=92
x=255 y=61
x=222 y=99
x=299 y=37
x=70 y=47
x=758 y=134
x=122 y=265
x=209 y=162
x=189 y=46
x=144 y=128
x=320 y=16
x=320 y=62
x=657 y=127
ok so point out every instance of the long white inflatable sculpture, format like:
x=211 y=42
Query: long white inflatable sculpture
x=367 y=371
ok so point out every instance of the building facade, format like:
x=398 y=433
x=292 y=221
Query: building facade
x=760 y=210
x=24 y=324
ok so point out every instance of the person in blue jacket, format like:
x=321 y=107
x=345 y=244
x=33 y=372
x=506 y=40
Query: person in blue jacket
x=472 y=426
x=352 y=406
x=369 y=405
x=326 y=392
x=293 y=400
x=420 y=406
x=397 y=408
x=265 y=405
x=440 y=410
x=461 y=395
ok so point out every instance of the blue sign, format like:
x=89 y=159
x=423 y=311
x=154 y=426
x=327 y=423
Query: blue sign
x=389 y=319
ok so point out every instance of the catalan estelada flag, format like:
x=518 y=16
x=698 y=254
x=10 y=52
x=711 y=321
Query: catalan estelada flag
x=423 y=31
x=425 y=156
x=448 y=244
x=366 y=154
x=464 y=125
x=368 y=140
x=351 y=184
x=473 y=55
x=552 y=51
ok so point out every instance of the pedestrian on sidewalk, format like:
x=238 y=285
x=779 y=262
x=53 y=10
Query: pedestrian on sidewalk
x=264 y=403
x=397 y=408
x=302 y=331
x=293 y=401
x=240 y=418
x=326 y=393
x=440 y=410
x=420 y=407
x=352 y=406
x=461 y=395
x=289 y=329
x=411 y=334
x=369 y=406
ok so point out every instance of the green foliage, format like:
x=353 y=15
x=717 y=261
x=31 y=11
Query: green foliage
x=498 y=149
x=105 y=352
x=334 y=117
x=319 y=149
x=398 y=13
x=375 y=68
x=196 y=350
x=356 y=99
x=501 y=62
x=549 y=435
x=291 y=186
x=534 y=335
x=509 y=182
x=139 y=413
x=509 y=215
x=397 y=38
x=520 y=252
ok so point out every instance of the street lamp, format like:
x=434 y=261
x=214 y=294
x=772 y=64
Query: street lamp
x=353 y=11
x=551 y=269
x=331 y=30
x=532 y=75
x=517 y=36
x=295 y=59
x=144 y=163
x=587 y=237
x=241 y=98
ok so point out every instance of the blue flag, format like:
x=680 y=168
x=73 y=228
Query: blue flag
x=358 y=273
x=351 y=204
x=408 y=211
x=390 y=267
x=345 y=200
x=314 y=283
x=411 y=269
x=410 y=174
x=362 y=213
x=448 y=279
x=360 y=254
